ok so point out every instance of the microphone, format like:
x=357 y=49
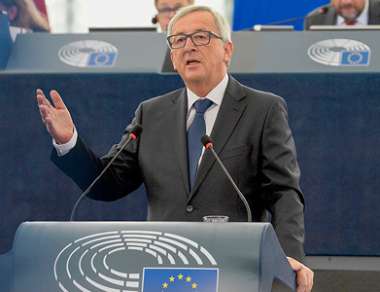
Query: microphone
x=286 y=20
x=258 y=27
x=209 y=145
x=155 y=19
x=322 y=10
x=133 y=134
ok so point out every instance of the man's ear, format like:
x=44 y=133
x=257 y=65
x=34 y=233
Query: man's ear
x=228 y=51
x=172 y=58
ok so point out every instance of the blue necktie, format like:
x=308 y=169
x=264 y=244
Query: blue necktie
x=194 y=135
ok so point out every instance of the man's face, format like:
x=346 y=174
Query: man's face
x=349 y=9
x=166 y=10
x=11 y=11
x=200 y=64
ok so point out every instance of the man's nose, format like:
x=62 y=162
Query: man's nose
x=189 y=44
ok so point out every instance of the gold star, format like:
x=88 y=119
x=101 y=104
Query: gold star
x=171 y=279
x=180 y=277
x=188 y=279
x=165 y=285
x=194 y=285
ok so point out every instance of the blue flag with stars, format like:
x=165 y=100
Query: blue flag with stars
x=180 y=280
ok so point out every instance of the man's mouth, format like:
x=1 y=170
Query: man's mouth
x=192 y=61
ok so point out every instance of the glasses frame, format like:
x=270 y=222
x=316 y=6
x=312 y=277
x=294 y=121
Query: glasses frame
x=190 y=35
x=168 y=10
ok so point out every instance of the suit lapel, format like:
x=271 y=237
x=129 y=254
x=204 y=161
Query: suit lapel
x=179 y=122
x=232 y=107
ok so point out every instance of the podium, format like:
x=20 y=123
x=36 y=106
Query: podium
x=144 y=256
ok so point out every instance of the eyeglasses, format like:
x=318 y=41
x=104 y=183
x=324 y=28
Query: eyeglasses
x=198 y=38
x=167 y=10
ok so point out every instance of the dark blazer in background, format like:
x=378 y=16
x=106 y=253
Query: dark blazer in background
x=327 y=15
x=251 y=135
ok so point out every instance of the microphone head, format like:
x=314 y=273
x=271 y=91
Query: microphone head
x=207 y=141
x=155 y=19
x=135 y=131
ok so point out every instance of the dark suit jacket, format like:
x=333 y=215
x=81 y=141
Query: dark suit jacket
x=253 y=139
x=327 y=15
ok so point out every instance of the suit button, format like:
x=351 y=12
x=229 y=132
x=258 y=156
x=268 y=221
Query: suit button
x=189 y=208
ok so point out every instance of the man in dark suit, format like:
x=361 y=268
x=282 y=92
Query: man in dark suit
x=249 y=128
x=345 y=13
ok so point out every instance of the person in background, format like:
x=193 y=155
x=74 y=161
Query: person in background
x=24 y=14
x=166 y=9
x=345 y=13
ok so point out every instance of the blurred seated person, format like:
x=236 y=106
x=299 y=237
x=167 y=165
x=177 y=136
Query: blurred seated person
x=24 y=15
x=345 y=13
x=166 y=9
x=5 y=39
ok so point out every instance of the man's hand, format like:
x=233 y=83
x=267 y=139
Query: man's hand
x=304 y=275
x=56 y=117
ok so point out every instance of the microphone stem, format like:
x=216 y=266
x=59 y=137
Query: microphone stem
x=244 y=200
x=98 y=177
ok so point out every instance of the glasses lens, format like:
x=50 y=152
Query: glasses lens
x=201 y=38
x=168 y=9
x=177 y=41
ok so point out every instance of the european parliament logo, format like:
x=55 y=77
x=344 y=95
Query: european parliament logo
x=355 y=58
x=89 y=54
x=340 y=52
x=135 y=261
x=180 y=280
x=101 y=59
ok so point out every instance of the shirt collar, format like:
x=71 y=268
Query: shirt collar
x=216 y=95
x=362 y=19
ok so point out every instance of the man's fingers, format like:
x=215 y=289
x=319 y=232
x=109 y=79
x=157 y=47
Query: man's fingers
x=305 y=276
x=310 y=279
x=302 y=281
x=44 y=112
x=57 y=100
x=41 y=98
x=39 y=91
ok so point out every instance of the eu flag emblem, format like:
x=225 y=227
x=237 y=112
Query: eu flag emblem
x=180 y=280
x=355 y=58
x=100 y=59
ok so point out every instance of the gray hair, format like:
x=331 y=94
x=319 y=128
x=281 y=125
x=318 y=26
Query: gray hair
x=220 y=21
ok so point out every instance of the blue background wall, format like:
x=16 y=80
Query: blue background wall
x=250 y=12
x=335 y=126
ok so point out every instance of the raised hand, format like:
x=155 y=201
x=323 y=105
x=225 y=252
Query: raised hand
x=56 y=116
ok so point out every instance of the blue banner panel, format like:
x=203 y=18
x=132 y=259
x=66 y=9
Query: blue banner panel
x=248 y=13
x=180 y=280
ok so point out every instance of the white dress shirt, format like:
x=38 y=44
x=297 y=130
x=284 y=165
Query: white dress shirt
x=215 y=95
x=361 y=20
